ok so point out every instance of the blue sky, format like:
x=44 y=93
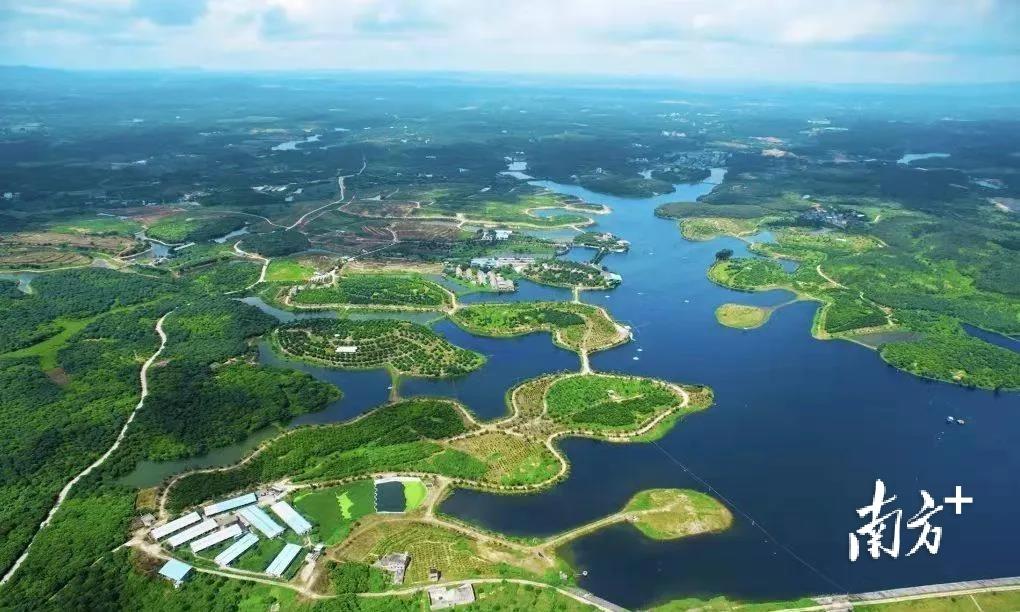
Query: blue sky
x=889 y=41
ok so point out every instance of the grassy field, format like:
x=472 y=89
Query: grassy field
x=513 y=596
x=1002 y=601
x=47 y=350
x=288 y=271
x=404 y=347
x=334 y=510
x=96 y=225
x=708 y=228
x=667 y=514
x=415 y=492
x=742 y=316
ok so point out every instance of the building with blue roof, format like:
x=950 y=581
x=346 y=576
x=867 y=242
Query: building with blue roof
x=175 y=571
x=283 y=560
x=236 y=549
x=230 y=504
x=257 y=518
x=290 y=516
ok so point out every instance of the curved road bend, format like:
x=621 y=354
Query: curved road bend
x=102 y=459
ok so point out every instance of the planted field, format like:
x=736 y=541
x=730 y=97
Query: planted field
x=453 y=554
x=566 y=273
x=748 y=274
x=39 y=258
x=224 y=276
x=511 y=460
x=408 y=348
x=608 y=402
x=334 y=510
x=574 y=326
x=376 y=289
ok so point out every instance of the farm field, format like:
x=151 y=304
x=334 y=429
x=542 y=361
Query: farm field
x=406 y=348
x=608 y=402
x=375 y=290
x=573 y=326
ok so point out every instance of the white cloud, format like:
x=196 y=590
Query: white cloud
x=834 y=40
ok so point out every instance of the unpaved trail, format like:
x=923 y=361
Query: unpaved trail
x=102 y=459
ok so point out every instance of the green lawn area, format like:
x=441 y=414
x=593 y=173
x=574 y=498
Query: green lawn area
x=414 y=494
x=47 y=350
x=742 y=316
x=288 y=271
x=335 y=509
x=96 y=225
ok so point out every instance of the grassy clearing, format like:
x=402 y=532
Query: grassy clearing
x=666 y=514
x=96 y=225
x=415 y=492
x=513 y=596
x=742 y=316
x=334 y=510
x=1002 y=601
x=47 y=350
x=708 y=228
x=288 y=271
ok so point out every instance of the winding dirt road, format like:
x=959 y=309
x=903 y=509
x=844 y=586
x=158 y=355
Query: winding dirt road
x=102 y=459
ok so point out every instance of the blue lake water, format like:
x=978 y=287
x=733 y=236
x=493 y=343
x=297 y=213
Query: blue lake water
x=389 y=497
x=799 y=432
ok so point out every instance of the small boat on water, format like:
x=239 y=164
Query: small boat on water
x=950 y=420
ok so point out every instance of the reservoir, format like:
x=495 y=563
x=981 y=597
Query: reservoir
x=799 y=432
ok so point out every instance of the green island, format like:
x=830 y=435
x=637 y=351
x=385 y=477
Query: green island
x=914 y=311
x=374 y=290
x=742 y=316
x=406 y=348
x=575 y=326
x=566 y=273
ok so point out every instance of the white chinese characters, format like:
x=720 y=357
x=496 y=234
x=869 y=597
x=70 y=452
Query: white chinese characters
x=882 y=531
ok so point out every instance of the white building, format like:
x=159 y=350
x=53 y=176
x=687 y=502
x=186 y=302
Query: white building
x=175 y=525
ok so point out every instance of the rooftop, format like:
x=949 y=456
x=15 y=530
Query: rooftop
x=230 y=504
x=175 y=571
